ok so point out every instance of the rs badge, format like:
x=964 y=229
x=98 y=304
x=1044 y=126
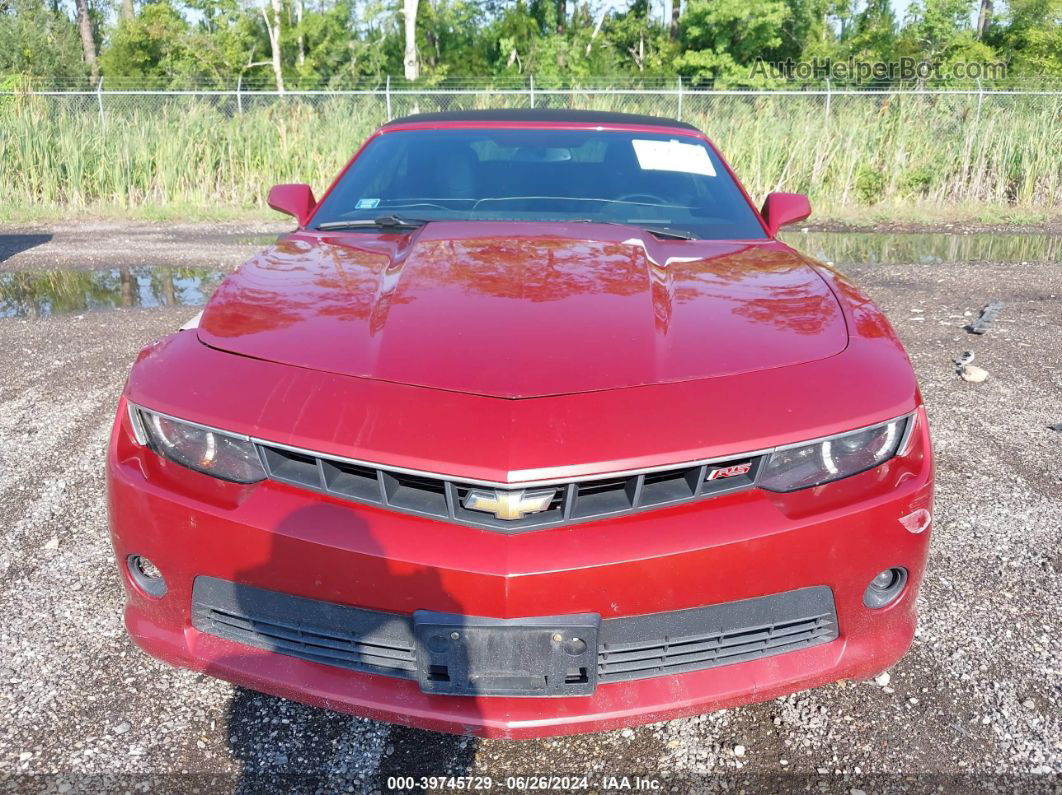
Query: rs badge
x=730 y=471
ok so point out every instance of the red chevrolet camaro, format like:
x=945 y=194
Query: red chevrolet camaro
x=531 y=427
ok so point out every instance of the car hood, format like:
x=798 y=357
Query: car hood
x=525 y=310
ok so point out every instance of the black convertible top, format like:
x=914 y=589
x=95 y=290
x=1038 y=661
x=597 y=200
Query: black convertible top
x=544 y=115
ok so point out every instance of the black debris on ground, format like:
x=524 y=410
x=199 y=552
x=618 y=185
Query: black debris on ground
x=988 y=314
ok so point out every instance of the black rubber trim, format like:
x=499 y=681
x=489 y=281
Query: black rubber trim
x=152 y=586
x=617 y=649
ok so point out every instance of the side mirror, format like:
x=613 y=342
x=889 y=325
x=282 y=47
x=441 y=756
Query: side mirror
x=292 y=199
x=780 y=209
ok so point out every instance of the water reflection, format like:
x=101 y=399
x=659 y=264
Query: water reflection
x=873 y=248
x=45 y=293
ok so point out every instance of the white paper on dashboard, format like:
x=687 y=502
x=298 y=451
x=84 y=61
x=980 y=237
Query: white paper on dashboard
x=673 y=156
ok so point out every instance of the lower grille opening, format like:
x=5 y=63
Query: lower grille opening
x=708 y=637
x=633 y=647
x=336 y=635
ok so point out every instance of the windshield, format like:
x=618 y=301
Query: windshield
x=651 y=180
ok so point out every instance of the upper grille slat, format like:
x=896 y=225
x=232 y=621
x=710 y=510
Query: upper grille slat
x=416 y=494
x=674 y=485
x=293 y=467
x=443 y=498
x=349 y=480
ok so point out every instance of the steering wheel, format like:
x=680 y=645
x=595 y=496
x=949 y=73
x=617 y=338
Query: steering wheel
x=635 y=197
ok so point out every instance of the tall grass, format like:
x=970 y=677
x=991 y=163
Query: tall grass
x=183 y=150
x=926 y=248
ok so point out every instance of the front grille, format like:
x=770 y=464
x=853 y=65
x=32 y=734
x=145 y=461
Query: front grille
x=634 y=647
x=337 y=635
x=442 y=498
x=707 y=637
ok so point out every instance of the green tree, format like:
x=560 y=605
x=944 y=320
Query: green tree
x=154 y=45
x=940 y=32
x=807 y=28
x=872 y=34
x=641 y=43
x=722 y=39
x=453 y=40
x=38 y=41
x=1031 y=39
x=334 y=42
x=934 y=27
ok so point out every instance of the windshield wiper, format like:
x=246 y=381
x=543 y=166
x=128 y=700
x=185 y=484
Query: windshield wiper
x=666 y=233
x=380 y=222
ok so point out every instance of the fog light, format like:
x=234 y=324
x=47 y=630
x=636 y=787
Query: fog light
x=885 y=587
x=884 y=580
x=146 y=575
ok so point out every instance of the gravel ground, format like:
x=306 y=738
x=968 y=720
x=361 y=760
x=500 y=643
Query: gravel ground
x=977 y=696
x=111 y=244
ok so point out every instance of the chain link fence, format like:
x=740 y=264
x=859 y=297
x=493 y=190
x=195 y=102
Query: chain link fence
x=672 y=100
x=841 y=146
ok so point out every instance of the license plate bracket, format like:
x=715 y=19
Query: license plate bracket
x=475 y=656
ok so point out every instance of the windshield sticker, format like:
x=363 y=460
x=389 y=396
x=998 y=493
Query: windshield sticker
x=673 y=156
x=367 y=204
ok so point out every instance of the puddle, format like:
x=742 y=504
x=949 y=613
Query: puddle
x=47 y=293
x=925 y=248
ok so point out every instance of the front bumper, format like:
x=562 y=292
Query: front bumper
x=733 y=547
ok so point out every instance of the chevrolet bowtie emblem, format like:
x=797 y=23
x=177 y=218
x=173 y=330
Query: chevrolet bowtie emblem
x=509 y=505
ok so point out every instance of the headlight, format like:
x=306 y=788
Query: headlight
x=833 y=458
x=214 y=453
